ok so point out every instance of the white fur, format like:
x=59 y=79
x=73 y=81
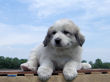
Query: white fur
x=66 y=57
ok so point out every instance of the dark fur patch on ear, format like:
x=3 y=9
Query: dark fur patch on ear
x=80 y=38
x=47 y=38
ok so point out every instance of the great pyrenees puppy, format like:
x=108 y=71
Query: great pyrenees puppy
x=61 y=48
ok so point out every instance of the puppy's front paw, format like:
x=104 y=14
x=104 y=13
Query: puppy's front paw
x=44 y=73
x=69 y=74
x=28 y=67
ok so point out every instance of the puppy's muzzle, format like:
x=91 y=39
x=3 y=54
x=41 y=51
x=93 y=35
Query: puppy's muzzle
x=58 y=41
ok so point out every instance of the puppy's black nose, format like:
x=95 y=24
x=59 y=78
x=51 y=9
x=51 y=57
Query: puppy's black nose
x=57 y=40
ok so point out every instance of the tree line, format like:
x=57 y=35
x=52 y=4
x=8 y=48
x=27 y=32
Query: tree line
x=10 y=63
x=98 y=64
x=14 y=63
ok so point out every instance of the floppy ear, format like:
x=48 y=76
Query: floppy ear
x=80 y=38
x=47 y=38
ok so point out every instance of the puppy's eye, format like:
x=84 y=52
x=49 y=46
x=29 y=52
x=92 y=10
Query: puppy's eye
x=66 y=32
x=54 y=32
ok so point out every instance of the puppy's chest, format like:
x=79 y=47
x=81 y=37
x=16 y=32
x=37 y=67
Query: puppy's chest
x=60 y=61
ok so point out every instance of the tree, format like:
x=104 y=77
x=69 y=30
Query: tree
x=16 y=63
x=8 y=63
x=106 y=65
x=98 y=63
x=23 y=60
x=2 y=59
x=84 y=61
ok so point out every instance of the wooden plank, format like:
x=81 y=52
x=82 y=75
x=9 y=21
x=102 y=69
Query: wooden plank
x=59 y=78
x=94 y=70
x=91 y=75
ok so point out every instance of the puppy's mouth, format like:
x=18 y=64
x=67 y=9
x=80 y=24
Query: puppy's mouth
x=58 y=45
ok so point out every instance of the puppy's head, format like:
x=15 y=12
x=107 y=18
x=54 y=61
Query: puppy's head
x=64 y=34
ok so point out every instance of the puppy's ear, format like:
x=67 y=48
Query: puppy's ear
x=47 y=38
x=80 y=38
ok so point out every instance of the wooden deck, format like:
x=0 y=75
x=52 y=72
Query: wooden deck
x=91 y=75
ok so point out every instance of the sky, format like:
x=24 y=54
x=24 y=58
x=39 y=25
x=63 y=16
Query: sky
x=24 y=23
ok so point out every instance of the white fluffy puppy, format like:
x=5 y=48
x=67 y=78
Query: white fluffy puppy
x=61 y=48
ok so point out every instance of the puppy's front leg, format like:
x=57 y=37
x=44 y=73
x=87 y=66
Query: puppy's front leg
x=32 y=62
x=45 y=70
x=70 y=70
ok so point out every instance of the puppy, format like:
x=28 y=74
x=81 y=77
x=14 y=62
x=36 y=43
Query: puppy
x=61 y=49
